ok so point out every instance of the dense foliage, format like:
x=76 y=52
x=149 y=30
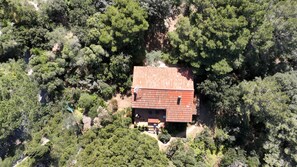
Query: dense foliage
x=62 y=60
x=120 y=147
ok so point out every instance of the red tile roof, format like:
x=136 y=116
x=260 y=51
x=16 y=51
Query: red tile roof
x=159 y=88
x=162 y=78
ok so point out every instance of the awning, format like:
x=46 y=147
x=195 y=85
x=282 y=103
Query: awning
x=153 y=121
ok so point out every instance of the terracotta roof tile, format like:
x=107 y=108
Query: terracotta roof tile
x=167 y=99
x=162 y=78
x=159 y=88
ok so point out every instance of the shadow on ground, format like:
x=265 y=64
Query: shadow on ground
x=205 y=115
x=177 y=129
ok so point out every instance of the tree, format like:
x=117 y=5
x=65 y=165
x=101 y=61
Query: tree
x=120 y=27
x=220 y=37
x=56 y=11
x=49 y=68
x=86 y=100
x=121 y=146
x=19 y=106
x=9 y=43
x=119 y=71
x=79 y=11
x=48 y=71
x=180 y=154
x=19 y=12
x=206 y=151
x=266 y=109
x=214 y=37
x=157 y=10
x=234 y=156
x=273 y=44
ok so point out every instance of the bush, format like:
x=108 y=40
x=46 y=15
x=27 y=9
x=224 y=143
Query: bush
x=106 y=90
x=86 y=100
x=120 y=121
x=233 y=156
x=114 y=105
x=78 y=114
x=93 y=112
x=206 y=137
x=142 y=128
x=164 y=136
x=128 y=112
x=180 y=154
x=153 y=57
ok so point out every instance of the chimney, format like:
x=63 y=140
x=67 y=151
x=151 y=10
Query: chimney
x=178 y=100
x=135 y=92
x=135 y=95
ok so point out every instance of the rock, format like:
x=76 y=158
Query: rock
x=44 y=140
x=58 y=47
x=103 y=115
x=18 y=142
x=30 y=72
x=87 y=123
x=97 y=122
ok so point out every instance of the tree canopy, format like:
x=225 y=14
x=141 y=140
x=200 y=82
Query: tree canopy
x=63 y=61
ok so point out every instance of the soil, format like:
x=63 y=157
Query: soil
x=123 y=101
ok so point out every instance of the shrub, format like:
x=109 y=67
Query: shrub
x=93 y=112
x=114 y=105
x=98 y=105
x=153 y=58
x=164 y=136
x=71 y=94
x=78 y=114
x=86 y=100
x=120 y=121
x=233 y=156
x=106 y=90
x=142 y=128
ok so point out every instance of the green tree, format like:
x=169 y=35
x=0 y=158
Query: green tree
x=157 y=10
x=18 y=105
x=22 y=14
x=9 y=43
x=273 y=44
x=214 y=36
x=56 y=11
x=120 y=27
x=121 y=147
x=265 y=110
x=234 y=156
x=249 y=38
x=79 y=11
x=119 y=71
x=19 y=109
x=48 y=71
x=180 y=154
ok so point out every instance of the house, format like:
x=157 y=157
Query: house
x=162 y=94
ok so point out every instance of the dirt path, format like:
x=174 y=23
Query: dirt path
x=191 y=132
x=123 y=101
